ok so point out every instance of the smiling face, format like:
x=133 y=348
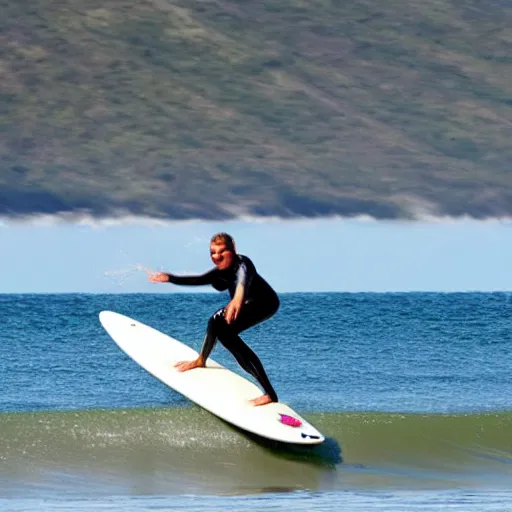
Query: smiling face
x=221 y=255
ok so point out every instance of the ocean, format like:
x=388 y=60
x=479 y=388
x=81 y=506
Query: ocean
x=412 y=390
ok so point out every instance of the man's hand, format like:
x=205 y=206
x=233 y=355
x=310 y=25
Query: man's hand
x=232 y=310
x=158 y=277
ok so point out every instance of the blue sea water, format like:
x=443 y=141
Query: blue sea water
x=412 y=390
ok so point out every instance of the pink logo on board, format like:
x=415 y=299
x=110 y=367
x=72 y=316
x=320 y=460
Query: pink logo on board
x=289 y=420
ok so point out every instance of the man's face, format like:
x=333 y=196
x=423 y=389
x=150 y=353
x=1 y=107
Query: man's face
x=221 y=255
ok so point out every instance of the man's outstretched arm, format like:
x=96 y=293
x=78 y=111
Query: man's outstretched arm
x=198 y=280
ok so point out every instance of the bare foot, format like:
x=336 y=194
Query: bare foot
x=261 y=400
x=184 y=366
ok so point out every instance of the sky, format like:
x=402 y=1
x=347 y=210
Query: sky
x=47 y=255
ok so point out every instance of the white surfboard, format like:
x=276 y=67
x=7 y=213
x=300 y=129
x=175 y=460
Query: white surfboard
x=215 y=388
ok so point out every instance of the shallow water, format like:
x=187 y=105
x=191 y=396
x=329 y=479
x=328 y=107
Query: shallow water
x=412 y=390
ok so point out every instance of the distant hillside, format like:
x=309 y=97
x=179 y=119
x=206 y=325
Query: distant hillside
x=211 y=108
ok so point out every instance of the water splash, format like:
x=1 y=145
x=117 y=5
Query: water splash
x=120 y=276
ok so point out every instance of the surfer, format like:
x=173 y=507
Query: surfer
x=252 y=301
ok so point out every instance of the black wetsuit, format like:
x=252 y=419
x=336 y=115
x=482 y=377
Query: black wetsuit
x=260 y=302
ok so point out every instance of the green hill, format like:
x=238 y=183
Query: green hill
x=212 y=108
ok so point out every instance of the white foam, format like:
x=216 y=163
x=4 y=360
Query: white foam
x=418 y=215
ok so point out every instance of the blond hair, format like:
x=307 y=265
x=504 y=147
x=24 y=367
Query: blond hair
x=224 y=238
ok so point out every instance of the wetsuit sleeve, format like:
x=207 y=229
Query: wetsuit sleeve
x=244 y=276
x=198 y=280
